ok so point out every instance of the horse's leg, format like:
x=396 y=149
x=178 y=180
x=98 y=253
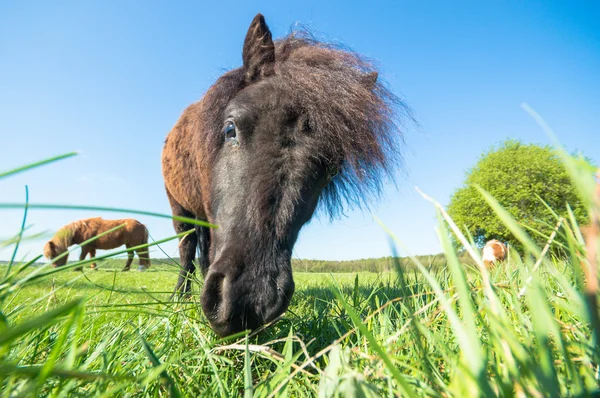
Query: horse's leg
x=144 y=258
x=187 y=251
x=187 y=248
x=127 y=266
x=143 y=254
x=203 y=244
x=84 y=253
x=92 y=256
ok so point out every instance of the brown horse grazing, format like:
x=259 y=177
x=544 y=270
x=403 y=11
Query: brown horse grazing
x=493 y=251
x=133 y=233
x=300 y=123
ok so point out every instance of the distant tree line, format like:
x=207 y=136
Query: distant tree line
x=377 y=265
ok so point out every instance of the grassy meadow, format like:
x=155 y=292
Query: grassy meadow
x=431 y=326
x=108 y=333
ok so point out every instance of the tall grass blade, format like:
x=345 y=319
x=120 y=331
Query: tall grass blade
x=173 y=390
x=20 y=236
x=43 y=206
x=473 y=354
x=248 y=387
x=36 y=164
x=510 y=223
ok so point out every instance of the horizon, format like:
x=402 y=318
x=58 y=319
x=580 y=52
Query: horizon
x=110 y=80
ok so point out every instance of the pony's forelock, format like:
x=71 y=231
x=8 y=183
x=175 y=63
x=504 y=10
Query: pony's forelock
x=356 y=117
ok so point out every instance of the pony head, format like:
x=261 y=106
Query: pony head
x=301 y=125
x=57 y=246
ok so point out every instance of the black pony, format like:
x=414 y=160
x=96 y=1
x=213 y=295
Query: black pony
x=300 y=123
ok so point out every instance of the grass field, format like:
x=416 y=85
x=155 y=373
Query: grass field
x=529 y=327
x=354 y=334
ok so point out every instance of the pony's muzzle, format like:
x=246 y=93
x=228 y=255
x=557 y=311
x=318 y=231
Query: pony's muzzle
x=233 y=305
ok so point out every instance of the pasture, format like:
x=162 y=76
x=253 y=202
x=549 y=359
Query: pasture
x=108 y=333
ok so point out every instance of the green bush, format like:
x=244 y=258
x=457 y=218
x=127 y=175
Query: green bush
x=529 y=181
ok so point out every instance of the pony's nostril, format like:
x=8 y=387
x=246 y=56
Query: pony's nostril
x=281 y=301
x=212 y=296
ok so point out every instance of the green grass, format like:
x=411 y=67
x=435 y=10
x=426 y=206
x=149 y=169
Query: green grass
x=125 y=338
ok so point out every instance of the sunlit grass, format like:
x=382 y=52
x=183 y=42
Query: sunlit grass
x=104 y=352
x=524 y=328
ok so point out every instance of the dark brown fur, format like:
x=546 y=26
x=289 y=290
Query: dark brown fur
x=315 y=126
x=328 y=84
x=131 y=234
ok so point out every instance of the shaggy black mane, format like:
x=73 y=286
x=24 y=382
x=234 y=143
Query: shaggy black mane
x=354 y=115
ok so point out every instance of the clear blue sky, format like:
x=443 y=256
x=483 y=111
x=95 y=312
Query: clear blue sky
x=110 y=78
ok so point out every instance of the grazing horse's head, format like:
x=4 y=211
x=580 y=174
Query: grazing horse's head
x=301 y=123
x=57 y=246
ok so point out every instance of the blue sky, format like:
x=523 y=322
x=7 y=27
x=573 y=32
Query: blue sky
x=109 y=79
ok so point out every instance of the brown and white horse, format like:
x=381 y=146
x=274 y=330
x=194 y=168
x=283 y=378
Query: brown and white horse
x=493 y=252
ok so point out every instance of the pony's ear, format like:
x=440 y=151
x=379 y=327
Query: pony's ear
x=259 y=50
x=370 y=79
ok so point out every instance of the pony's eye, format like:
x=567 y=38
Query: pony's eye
x=230 y=132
